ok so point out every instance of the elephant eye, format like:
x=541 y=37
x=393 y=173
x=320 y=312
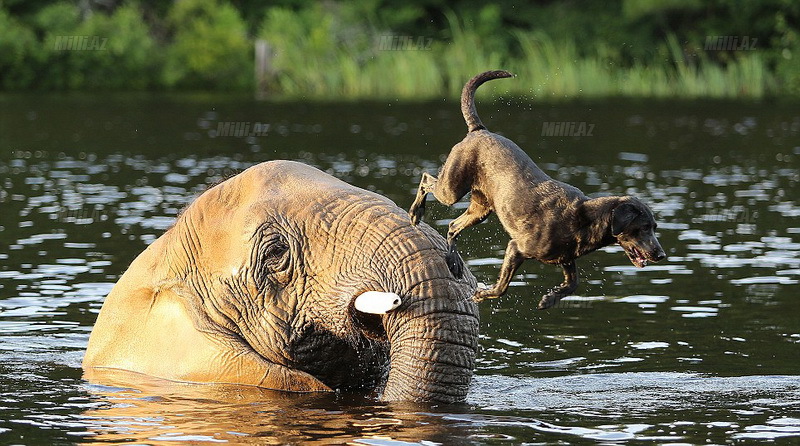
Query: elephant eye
x=277 y=249
x=272 y=260
x=275 y=253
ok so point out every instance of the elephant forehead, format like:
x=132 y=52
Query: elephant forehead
x=293 y=179
x=284 y=188
x=323 y=208
x=303 y=193
x=294 y=188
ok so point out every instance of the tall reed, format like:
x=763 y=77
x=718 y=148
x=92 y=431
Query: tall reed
x=319 y=55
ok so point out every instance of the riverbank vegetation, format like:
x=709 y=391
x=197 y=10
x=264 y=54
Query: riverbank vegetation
x=420 y=50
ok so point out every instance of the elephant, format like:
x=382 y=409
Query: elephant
x=286 y=278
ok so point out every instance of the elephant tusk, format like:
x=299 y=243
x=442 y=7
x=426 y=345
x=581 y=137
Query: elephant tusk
x=377 y=302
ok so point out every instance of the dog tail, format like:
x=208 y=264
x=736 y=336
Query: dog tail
x=468 y=97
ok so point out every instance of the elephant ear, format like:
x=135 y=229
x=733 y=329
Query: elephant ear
x=622 y=216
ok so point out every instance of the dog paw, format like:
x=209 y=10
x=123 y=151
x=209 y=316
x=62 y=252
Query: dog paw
x=546 y=302
x=483 y=294
x=416 y=212
x=413 y=217
x=549 y=300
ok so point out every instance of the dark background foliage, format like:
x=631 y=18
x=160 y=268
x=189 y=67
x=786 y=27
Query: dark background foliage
x=208 y=44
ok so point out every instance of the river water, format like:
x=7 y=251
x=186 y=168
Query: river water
x=703 y=348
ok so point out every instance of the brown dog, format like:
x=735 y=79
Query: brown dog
x=547 y=220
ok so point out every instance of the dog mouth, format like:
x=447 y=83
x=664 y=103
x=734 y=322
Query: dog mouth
x=637 y=257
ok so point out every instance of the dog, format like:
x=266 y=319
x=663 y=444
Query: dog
x=547 y=220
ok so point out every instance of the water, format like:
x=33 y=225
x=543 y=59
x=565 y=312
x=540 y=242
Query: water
x=702 y=348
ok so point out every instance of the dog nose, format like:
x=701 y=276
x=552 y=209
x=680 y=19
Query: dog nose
x=660 y=255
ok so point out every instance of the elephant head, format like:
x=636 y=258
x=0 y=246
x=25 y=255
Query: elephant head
x=286 y=278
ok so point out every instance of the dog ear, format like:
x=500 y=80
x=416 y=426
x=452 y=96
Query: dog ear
x=621 y=217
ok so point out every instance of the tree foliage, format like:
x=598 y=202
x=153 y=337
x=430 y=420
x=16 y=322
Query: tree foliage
x=330 y=48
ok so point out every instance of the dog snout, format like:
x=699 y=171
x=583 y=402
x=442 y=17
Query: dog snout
x=657 y=252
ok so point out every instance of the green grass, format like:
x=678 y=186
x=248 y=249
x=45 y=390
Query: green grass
x=316 y=57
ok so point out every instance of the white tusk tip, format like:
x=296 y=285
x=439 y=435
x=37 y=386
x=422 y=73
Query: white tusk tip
x=377 y=302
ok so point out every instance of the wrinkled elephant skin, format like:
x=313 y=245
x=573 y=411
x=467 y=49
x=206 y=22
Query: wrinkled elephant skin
x=255 y=284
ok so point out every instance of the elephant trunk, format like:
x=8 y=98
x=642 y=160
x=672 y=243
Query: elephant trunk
x=432 y=329
x=433 y=343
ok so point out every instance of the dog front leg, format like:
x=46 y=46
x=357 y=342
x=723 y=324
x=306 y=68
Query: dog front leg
x=426 y=186
x=566 y=288
x=513 y=259
x=476 y=213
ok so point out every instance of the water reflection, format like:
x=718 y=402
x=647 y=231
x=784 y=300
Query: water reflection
x=546 y=408
x=169 y=412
